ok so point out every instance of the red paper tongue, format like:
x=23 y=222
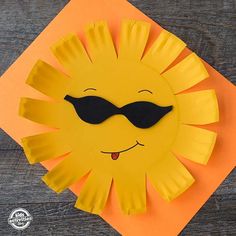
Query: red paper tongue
x=115 y=155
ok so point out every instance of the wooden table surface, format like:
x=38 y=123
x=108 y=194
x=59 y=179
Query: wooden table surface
x=208 y=27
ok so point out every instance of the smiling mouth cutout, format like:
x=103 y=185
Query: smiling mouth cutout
x=115 y=155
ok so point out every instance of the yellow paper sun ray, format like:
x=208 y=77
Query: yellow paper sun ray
x=186 y=73
x=43 y=78
x=172 y=181
x=100 y=42
x=71 y=54
x=198 y=108
x=45 y=146
x=131 y=191
x=133 y=38
x=66 y=173
x=95 y=191
x=164 y=51
x=194 y=143
x=43 y=112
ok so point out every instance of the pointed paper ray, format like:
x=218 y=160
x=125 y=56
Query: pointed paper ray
x=131 y=192
x=71 y=54
x=45 y=146
x=170 y=178
x=133 y=38
x=94 y=193
x=43 y=112
x=44 y=77
x=186 y=73
x=194 y=143
x=158 y=56
x=198 y=108
x=101 y=47
x=67 y=172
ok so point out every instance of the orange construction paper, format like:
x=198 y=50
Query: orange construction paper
x=162 y=218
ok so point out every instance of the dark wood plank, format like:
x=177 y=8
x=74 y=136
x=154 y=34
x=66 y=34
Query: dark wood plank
x=208 y=26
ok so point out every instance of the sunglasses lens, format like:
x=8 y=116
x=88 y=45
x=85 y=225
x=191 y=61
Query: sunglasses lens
x=92 y=109
x=144 y=114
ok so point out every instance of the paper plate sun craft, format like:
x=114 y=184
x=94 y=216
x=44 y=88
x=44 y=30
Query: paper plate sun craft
x=119 y=115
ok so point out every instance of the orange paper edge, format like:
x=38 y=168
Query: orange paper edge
x=162 y=218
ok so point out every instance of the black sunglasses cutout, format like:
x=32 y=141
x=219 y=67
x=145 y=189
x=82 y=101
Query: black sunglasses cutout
x=95 y=110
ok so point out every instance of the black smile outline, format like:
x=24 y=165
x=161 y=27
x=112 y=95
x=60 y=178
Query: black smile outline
x=125 y=150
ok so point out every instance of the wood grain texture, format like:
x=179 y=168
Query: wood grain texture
x=208 y=27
